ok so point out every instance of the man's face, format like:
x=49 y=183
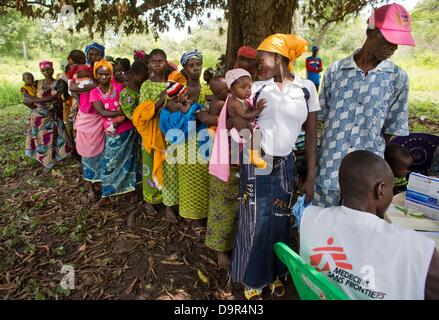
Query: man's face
x=387 y=195
x=379 y=47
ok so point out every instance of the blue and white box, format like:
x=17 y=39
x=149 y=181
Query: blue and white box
x=423 y=195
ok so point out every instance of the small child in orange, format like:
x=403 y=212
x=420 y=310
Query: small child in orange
x=29 y=88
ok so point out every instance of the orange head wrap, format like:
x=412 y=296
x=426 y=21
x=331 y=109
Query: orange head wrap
x=290 y=46
x=102 y=63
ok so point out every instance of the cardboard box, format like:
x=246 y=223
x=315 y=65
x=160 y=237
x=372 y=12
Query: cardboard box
x=423 y=195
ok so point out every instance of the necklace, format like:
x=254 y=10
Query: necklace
x=110 y=94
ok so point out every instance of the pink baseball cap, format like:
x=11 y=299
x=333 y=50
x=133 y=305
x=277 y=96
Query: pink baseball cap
x=394 y=22
x=234 y=74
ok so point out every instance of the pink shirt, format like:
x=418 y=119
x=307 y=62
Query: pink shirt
x=84 y=103
x=111 y=102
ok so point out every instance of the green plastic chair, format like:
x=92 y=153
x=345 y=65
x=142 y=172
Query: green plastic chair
x=309 y=283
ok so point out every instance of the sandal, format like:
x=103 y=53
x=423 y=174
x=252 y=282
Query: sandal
x=253 y=294
x=277 y=288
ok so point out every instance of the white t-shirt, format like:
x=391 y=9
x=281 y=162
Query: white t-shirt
x=281 y=121
x=364 y=255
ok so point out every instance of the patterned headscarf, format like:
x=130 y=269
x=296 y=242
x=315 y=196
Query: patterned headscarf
x=290 y=46
x=102 y=63
x=97 y=46
x=140 y=54
x=45 y=64
x=189 y=55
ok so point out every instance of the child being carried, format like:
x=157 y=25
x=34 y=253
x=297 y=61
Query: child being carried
x=239 y=82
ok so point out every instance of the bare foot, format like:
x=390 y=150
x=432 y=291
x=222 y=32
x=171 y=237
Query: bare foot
x=171 y=217
x=223 y=260
x=149 y=208
x=131 y=219
x=101 y=203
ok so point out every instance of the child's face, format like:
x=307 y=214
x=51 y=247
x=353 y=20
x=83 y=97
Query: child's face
x=28 y=79
x=401 y=169
x=242 y=88
x=219 y=88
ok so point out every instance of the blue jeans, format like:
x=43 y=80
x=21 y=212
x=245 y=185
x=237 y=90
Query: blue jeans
x=264 y=219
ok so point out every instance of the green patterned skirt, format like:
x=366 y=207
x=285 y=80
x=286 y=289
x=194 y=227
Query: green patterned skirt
x=193 y=184
x=151 y=193
x=223 y=212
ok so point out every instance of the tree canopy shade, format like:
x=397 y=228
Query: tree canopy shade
x=249 y=21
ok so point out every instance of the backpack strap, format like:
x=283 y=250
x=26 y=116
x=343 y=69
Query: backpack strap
x=307 y=95
x=257 y=94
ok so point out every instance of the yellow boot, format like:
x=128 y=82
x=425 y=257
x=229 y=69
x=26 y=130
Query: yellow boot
x=256 y=159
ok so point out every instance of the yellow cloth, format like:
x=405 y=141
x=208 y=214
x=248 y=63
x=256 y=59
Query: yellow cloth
x=177 y=77
x=148 y=127
x=290 y=46
x=31 y=90
x=102 y=63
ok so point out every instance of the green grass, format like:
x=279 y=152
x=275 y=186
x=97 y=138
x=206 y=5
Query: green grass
x=13 y=127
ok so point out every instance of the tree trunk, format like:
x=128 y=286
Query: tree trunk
x=23 y=45
x=322 y=33
x=250 y=21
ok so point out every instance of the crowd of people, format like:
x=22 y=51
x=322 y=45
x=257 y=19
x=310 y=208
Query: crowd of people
x=226 y=150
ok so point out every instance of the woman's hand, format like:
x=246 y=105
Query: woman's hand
x=308 y=187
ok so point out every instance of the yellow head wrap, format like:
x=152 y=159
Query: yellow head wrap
x=290 y=46
x=102 y=63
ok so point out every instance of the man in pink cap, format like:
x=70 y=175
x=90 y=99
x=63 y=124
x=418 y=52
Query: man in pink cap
x=364 y=99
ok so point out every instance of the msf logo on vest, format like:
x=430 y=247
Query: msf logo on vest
x=329 y=257
x=332 y=259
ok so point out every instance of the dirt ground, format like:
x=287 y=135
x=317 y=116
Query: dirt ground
x=47 y=222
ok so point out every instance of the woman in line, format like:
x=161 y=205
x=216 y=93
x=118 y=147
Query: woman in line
x=265 y=212
x=120 y=166
x=152 y=98
x=47 y=141
x=193 y=176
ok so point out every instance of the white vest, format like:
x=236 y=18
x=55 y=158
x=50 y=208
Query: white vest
x=364 y=255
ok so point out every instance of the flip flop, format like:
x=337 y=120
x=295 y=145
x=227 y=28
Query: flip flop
x=253 y=294
x=277 y=288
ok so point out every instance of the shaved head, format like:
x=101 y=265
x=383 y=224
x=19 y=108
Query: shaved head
x=366 y=177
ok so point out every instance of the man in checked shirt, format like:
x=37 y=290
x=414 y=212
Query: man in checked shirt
x=364 y=99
